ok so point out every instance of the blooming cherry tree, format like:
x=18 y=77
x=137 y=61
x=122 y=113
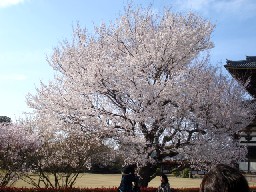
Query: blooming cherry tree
x=16 y=145
x=64 y=153
x=145 y=83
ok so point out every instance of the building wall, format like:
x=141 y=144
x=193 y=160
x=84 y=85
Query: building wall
x=249 y=165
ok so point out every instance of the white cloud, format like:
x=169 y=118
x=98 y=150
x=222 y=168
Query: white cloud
x=13 y=77
x=242 y=8
x=197 y=5
x=238 y=8
x=7 y=3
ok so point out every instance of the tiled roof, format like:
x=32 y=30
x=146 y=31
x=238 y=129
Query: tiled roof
x=250 y=62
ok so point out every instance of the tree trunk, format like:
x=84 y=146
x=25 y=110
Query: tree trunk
x=147 y=173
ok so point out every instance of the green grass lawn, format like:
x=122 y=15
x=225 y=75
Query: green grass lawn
x=113 y=180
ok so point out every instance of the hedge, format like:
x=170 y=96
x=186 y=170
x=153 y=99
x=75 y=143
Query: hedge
x=114 y=189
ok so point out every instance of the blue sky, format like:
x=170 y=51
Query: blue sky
x=30 y=29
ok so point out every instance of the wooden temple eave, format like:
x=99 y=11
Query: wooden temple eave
x=245 y=76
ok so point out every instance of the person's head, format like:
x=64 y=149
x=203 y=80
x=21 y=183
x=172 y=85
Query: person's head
x=129 y=169
x=164 y=178
x=223 y=178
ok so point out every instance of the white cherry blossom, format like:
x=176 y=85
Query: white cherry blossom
x=145 y=82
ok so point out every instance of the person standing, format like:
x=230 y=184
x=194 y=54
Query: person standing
x=165 y=186
x=129 y=181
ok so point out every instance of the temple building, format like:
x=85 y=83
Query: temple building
x=244 y=71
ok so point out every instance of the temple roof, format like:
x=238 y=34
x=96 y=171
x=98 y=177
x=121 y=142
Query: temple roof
x=244 y=71
x=250 y=62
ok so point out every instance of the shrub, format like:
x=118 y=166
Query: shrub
x=185 y=173
x=176 y=173
x=158 y=172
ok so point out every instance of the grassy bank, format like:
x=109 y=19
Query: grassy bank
x=113 y=180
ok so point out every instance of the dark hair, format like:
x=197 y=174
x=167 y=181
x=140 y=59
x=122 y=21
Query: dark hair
x=129 y=169
x=165 y=178
x=223 y=178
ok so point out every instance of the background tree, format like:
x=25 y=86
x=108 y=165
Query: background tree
x=144 y=82
x=16 y=144
x=64 y=153
x=5 y=119
x=107 y=162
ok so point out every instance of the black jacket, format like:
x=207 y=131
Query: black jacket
x=129 y=183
